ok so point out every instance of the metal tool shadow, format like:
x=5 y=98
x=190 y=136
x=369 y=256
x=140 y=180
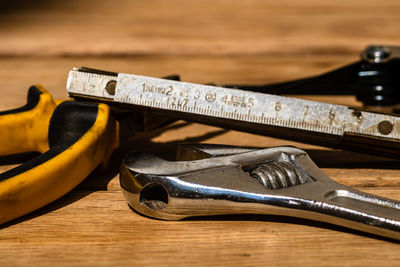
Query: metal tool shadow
x=279 y=219
x=291 y=220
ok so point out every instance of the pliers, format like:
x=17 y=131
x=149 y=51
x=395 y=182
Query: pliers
x=73 y=137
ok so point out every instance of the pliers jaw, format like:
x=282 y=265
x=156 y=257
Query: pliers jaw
x=278 y=181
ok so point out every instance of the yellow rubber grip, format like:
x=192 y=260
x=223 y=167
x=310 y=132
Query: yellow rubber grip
x=81 y=136
x=25 y=129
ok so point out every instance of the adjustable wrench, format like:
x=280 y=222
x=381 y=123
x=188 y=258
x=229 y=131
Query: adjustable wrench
x=278 y=181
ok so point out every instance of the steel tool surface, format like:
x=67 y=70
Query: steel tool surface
x=279 y=181
x=318 y=123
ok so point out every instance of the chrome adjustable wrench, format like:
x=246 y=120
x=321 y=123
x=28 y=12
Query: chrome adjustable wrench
x=215 y=180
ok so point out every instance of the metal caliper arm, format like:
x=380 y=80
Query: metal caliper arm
x=279 y=181
x=74 y=138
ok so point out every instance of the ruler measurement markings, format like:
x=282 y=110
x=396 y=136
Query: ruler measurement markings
x=291 y=113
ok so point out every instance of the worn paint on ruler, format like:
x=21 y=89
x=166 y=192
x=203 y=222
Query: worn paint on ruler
x=236 y=104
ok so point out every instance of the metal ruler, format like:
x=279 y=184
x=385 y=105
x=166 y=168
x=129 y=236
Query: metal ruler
x=284 y=117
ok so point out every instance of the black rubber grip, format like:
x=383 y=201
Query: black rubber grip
x=69 y=122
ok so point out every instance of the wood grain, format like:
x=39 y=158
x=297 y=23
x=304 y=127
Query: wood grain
x=99 y=229
x=225 y=41
x=93 y=225
x=152 y=27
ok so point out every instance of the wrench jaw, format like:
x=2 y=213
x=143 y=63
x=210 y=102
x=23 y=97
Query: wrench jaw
x=172 y=198
x=275 y=181
x=213 y=186
x=176 y=190
x=147 y=195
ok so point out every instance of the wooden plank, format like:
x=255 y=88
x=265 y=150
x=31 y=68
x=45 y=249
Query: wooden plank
x=197 y=27
x=99 y=229
x=204 y=41
x=18 y=74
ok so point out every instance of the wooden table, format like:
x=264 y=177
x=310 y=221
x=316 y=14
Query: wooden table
x=203 y=41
